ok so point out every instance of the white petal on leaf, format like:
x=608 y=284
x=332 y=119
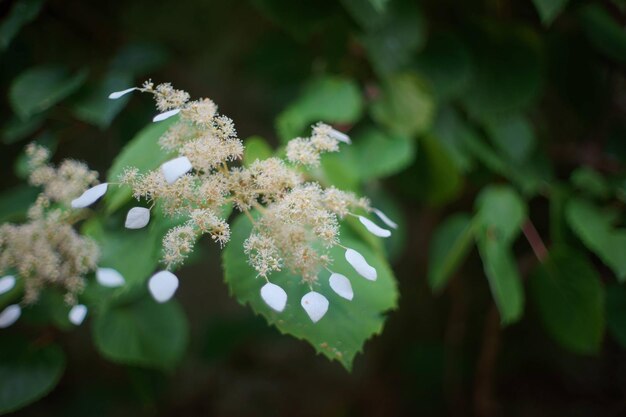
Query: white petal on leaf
x=137 y=218
x=360 y=265
x=373 y=228
x=90 y=196
x=78 y=314
x=175 y=168
x=341 y=285
x=274 y=296
x=10 y=315
x=162 y=286
x=315 y=305
x=7 y=283
x=109 y=277
x=340 y=136
x=118 y=94
x=385 y=219
x=165 y=115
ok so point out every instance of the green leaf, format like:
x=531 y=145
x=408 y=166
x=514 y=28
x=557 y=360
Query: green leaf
x=594 y=228
x=381 y=155
x=327 y=99
x=22 y=13
x=340 y=169
x=508 y=73
x=142 y=333
x=16 y=129
x=570 y=299
x=549 y=9
x=15 y=202
x=435 y=178
x=94 y=106
x=391 y=44
x=528 y=177
x=452 y=130
x=603 y=31
x=340 y=335
x=503 y=276
x=138 y=59
x=616 y=312
x=451 y=243
x=591 y=182
x=256 y=148
x=500 y=213
x=365 y=12
x=38 y=89
x=142 y=152
x=379 y=5
x=28 y=372
x=405 y=107
x=446 y=63
x=135 y=253
x=513 y=136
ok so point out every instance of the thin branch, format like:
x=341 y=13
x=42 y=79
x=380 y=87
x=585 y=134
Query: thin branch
x=535 y=241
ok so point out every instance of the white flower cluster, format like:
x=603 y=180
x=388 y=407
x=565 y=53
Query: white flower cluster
x=295 y=221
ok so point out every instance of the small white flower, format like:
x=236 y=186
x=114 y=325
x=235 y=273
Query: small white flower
x=315 y=305
x=274 y=296
x=341 y=285
x=385 y=219
x=118 y=94
x=10 y=315
x=137 y=218
x=373 y=228
x=176 y=168
x=90 y=196
x=360 y=265
x=77 y=314
x=340 y=136
x=7 y=283
x=109 y=277
x=162 y=286
x=165 y=115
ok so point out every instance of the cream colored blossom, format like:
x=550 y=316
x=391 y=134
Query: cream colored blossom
x=295 y=223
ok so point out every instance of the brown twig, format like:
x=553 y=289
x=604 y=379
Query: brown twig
x=535 y=241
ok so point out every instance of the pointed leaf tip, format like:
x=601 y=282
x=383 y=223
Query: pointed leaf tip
x=341 y=285
x=175 y=168
x=274 y=296
x=360 y=265
x=165 y=115
x=77 y=314
x=373 y=228
x=109 y=277
x=163 y=286
x=137 y=218
x=315 y=305
x=90 y=196
x=10 y=315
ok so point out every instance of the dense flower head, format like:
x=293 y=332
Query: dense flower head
x=60 y=184
x=47 y=250
x=295 y=221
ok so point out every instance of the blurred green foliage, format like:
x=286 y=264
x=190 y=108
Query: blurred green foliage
x=492 y=132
